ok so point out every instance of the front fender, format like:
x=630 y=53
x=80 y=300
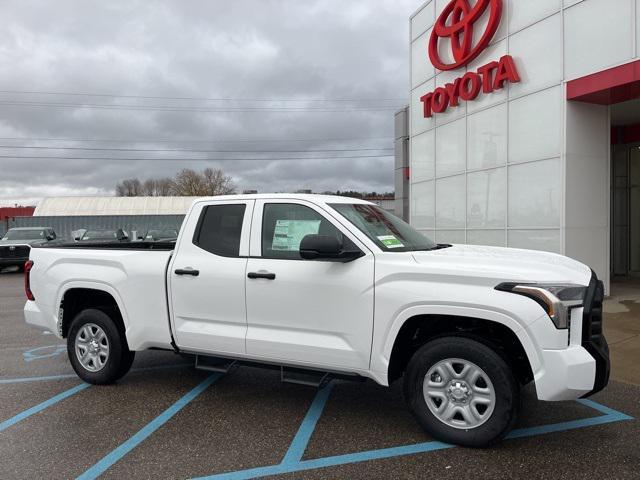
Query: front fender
x=381 y=357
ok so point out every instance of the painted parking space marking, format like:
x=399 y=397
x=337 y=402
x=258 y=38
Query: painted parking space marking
x=115 y=455
x=301 y=440
x=42 y=406
x=292 y=461
x=46 y=351
x=8 y=381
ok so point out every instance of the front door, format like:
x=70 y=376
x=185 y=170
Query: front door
x=207 y=278
x=306 y=312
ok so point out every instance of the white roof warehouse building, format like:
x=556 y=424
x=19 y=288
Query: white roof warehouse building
x=523 y=128
x=136 y=215
x=75 y=206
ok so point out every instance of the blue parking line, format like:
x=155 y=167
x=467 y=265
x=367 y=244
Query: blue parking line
x=603 y=408
x=296 y=450
x=308 y=425
x=115 y=455
x=41 y=406
x=8 y=381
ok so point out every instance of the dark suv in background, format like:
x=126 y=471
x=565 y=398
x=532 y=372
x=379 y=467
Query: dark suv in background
x=16 y=244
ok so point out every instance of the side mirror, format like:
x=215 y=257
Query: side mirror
x=77 y=239
x=327 y=248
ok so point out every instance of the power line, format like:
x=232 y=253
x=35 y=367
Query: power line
x=264 y=140
x=162 y=108
x=112 y=149
x=205 y=99
x=137 y=159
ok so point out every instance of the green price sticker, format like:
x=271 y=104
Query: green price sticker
x=390 y=241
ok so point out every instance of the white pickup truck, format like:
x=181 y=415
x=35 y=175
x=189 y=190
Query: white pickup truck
x=333 y=286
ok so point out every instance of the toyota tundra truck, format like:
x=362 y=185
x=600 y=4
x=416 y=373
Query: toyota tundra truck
x=333 y=286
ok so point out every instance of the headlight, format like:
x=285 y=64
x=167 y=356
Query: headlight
x=557 y=300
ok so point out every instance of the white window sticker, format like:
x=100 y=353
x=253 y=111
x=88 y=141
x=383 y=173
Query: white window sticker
x=289 y=233
x=390 y=241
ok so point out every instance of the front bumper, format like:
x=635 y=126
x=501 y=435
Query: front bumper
x=13 y=262
x=593 y=340
x=581 y=369
x=567 y=374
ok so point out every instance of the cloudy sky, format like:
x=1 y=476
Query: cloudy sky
x=145 y=88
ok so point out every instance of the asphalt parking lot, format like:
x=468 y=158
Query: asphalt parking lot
x=167 y=420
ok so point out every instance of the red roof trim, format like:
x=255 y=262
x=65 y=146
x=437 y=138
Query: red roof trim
x=614 y=85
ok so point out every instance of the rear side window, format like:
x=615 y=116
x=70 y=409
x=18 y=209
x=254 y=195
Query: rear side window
x=219 y=229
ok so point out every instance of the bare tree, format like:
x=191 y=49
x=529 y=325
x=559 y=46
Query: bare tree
x=187 y=183
x=164 y=187
x=217 y=183
x=149 y=188
x=131 y=187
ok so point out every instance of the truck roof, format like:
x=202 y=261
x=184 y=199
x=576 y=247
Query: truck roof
x=31 y=228
x=311 y=197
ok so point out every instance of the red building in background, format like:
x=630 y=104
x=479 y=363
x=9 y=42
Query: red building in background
x=9 y=212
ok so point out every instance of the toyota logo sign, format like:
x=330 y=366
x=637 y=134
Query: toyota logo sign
x=456 y=23
x=455 y=28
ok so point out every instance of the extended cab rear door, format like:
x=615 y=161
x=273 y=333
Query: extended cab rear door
x=304 y=312
x=207 y=278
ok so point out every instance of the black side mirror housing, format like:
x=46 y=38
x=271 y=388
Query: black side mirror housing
x=326 y=248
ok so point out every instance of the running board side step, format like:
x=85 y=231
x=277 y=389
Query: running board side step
x=214 y=364
x=301 y=376
x=288 y=374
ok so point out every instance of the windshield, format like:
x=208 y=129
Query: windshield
x=153 y=234
x=388 y=232
x=25 y=235
x=100 y=235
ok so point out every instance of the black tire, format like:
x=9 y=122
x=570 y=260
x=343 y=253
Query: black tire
x=507 y=392
x=119 y=359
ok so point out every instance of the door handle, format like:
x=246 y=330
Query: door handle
x=265 y=275
x=187 y=271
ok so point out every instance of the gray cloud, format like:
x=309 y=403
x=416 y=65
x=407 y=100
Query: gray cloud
x=249 y=49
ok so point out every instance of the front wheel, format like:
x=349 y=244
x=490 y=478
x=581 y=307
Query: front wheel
x=461 y=392
x=97 y=349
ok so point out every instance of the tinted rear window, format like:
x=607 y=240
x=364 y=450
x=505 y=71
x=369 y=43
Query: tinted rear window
x=219 y=229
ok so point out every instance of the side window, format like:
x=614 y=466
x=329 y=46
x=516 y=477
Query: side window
x=219 y=229
x=284 y=225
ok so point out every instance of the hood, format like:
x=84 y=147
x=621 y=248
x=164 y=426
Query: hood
x=504 y=264
x=21 y=242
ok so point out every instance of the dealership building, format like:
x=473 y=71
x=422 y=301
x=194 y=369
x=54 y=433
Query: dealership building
x=523 y=127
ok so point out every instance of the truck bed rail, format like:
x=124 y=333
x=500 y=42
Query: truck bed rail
x=142 y=245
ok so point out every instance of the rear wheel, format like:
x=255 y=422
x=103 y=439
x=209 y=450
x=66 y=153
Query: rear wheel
x=97 y=349
x=461 y=392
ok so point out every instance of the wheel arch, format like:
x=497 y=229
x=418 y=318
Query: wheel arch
x=494 y=329
x=75 y=297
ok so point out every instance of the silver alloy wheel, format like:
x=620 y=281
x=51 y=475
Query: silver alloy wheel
x=92 y=347
x=459 y=393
